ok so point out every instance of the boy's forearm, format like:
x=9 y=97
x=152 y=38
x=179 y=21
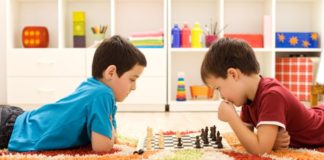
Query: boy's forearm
x=247 y=138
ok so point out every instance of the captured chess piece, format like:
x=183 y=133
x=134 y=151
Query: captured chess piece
x=140 y=151
x=197 y=142
x=179 y=145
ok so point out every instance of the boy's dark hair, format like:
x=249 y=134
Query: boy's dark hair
x=119 y=52
x=229 y=53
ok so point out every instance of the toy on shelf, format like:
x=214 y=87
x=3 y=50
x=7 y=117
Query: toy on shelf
x=196 y=34
x=35 y=37
x=201 y=92
x=176 y=36
x=254 y=40
x=79 y=40
x=185 y=36
x=297 y=40
x=181 y=88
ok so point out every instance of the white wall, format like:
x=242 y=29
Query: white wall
x=3 y=86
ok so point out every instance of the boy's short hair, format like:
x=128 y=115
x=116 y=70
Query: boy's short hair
x=119 y=52
x=229 y=53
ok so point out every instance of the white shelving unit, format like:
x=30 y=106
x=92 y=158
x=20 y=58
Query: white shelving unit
x=244 y=17
x=39 y=70
x=43 y=75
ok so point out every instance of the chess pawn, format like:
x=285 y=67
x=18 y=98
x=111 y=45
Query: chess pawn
x=219 y=142
x=179 y=145
x=197 y=142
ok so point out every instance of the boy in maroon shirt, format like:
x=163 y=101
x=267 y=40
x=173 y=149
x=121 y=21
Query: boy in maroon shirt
x=230 y=67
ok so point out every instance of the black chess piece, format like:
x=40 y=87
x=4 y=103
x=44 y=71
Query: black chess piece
x=197 y=142
x=205 y=140
x=140 y=151
x=211 y=132
x=202 y=132
x=206 y=130
x=179 y=145
x=214 y=137
x=219 y=142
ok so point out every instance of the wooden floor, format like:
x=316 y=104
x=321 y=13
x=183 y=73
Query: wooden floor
x=134 y=124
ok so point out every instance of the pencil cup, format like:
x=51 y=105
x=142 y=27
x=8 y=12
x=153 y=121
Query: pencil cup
x=99 y=36
x=209 y=39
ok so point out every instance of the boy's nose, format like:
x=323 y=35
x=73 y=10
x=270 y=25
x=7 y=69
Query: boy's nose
x=133 y=87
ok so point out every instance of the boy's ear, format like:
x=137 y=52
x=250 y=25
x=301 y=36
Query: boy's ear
x=233 y=73
x=109 y=72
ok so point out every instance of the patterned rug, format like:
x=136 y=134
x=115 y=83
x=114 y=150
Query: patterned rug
x=124 y=151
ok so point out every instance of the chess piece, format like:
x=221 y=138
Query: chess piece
x=202 y=132
x=211 y=132
x=206 y=130
x=140 y=151
x=179 y=145
x=197 y=142
x=148 y=143
x=219 y=142
x=218 y=134
x=161 y=140
x=205 y=140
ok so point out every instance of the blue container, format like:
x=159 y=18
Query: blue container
x=176 y=34
x=297 y=40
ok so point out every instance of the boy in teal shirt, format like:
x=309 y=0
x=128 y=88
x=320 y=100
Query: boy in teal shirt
x=86 y=116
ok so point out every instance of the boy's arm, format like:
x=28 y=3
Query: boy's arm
x=282 y=140
x=101 y=143
x=114 y=131
x=259 y=143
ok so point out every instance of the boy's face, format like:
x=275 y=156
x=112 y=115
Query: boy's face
x=230 y=89
x=124 y=84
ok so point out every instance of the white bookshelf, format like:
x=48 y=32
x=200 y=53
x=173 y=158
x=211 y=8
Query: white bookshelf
x=47 y=74
x=241 y=16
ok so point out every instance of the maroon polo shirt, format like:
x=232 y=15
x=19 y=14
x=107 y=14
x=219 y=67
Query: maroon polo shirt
x=275 y=105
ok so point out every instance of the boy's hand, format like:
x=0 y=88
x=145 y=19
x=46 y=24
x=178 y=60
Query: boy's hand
x=282 y=140
x=114 y=132
x=226 y=111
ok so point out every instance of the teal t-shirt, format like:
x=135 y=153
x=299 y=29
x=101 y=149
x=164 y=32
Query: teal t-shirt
x=67 y=123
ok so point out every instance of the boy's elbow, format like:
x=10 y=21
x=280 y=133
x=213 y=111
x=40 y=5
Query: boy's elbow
x=103 y=148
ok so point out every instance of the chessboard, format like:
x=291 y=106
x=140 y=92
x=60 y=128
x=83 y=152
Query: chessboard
x=198 y=140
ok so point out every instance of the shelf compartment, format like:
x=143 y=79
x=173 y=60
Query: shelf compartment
x=140 y=16
x=298 y=16
x=251 y=14
x=97 y=12
x=22 y=13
